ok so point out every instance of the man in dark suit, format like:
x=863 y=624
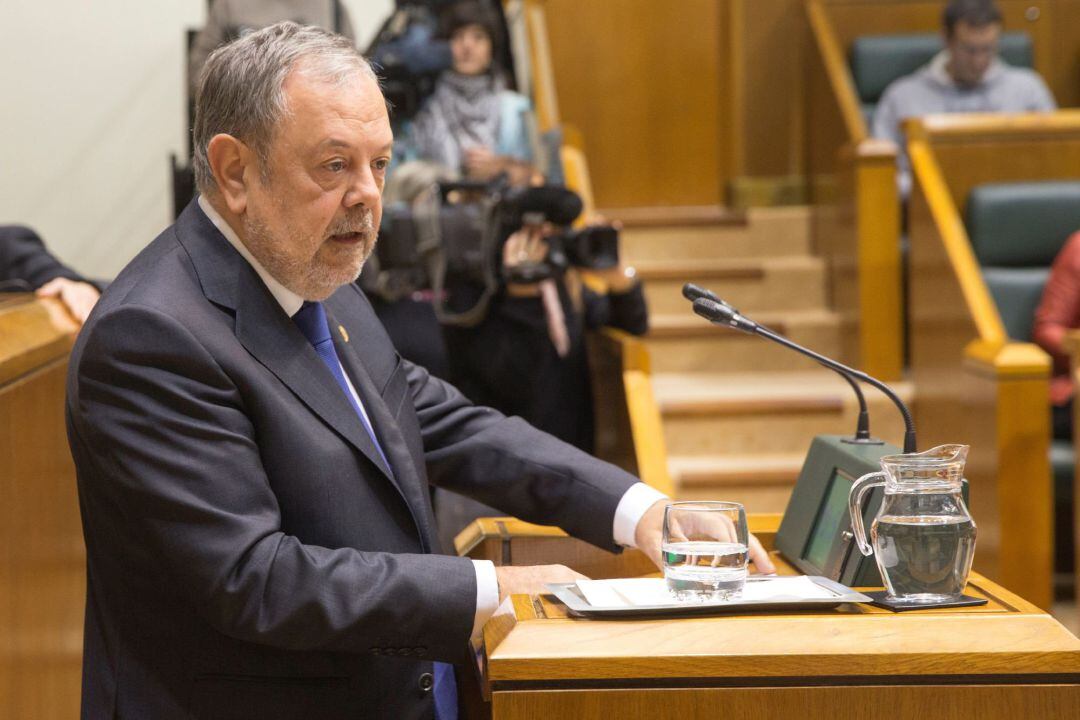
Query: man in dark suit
x=25 y=264
x=254 y=457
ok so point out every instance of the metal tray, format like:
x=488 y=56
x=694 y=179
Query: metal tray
x=577 y=605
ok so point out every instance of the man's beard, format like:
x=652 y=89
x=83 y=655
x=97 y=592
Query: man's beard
x=307 y=275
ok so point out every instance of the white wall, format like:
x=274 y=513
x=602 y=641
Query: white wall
x=92 y=105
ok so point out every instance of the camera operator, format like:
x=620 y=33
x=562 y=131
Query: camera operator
x=527 y=357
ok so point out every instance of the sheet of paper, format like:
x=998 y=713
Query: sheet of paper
x=642 y=592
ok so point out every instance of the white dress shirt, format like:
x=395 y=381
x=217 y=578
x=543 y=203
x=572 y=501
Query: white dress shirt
x=633 y=504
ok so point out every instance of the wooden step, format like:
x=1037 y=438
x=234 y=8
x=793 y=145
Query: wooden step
x=687 y=343
x=751 y=285
x=761 y=482
x=750 y=413
x=766 y=232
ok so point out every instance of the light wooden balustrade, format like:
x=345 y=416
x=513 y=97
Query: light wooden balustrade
x=628 y=430
x=856 y=207
x=972 y=383
x=1072 y=346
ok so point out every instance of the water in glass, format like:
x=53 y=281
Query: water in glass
x=705 y=569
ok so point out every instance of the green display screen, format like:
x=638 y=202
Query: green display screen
x=829 y=517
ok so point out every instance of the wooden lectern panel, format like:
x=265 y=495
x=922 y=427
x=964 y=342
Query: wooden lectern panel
x=42 y=560
x=1006 y=659
x=922 y=702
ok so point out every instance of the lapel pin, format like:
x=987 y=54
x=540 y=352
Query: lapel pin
x=344 y=335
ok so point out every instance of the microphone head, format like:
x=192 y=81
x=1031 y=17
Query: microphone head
x=723 y=314
x=692 y=292
x=712 y=310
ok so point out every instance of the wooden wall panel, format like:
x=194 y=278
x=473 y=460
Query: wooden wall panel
x=643 y=82
x=1064 y=78
x=772 y=40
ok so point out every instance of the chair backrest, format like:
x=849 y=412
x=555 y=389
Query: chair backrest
x=878 y=60
x=1016 y=231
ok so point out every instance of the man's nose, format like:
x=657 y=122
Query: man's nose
x=364 y=190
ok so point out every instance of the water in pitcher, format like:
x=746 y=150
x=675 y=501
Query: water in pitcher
x=924 y=558
x=705 y=570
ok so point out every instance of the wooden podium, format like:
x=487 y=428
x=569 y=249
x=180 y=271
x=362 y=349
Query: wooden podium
x=42 y=560
x=1007 y=659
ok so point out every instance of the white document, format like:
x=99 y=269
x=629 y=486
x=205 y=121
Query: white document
x=650 y=592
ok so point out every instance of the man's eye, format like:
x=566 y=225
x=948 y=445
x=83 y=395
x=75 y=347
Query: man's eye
x=382 y=164
x=335 y=165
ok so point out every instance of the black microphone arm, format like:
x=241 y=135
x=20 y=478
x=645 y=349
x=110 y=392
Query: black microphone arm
x=721 y=313
x=692 y=292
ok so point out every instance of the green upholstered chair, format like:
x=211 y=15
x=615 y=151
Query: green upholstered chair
x=1016 y=231
x=877 y=60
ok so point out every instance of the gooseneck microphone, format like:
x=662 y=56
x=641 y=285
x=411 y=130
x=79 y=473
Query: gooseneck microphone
x=720 y=313
x=692 y=293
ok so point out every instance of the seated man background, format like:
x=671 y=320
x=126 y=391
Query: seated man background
x=967 y=76
x=1058 y=312
x=24 y=259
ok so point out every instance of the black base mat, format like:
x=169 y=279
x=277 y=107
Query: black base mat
x=881 y=599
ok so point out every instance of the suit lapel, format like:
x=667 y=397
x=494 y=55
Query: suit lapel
x=386 y=428
x=268 y=333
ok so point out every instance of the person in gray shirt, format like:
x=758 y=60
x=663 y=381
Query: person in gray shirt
x=967 y=76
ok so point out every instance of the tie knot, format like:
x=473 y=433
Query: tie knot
x=311 y=319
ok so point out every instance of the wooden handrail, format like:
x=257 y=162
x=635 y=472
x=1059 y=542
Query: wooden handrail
x=646 y=429
x=954 y=236
x=840 y=80
x=545 y=99
x=998 y=124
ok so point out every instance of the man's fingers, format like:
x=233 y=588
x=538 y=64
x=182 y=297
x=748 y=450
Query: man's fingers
x=760 y=557
x=51 y=288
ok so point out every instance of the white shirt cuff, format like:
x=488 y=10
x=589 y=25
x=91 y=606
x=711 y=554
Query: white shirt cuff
x=639 y=498
x=487 y=594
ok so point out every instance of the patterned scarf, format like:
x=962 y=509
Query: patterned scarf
x=462 y=113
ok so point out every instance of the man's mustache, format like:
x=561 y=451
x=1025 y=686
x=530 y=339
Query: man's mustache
x=363 y=223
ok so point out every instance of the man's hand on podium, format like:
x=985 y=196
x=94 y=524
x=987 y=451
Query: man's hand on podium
x=648 y=537
x=531 y=579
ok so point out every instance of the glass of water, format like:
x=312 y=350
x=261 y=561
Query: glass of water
x=705 y=548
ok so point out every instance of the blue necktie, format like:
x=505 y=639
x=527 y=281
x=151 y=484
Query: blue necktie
x=311 y=319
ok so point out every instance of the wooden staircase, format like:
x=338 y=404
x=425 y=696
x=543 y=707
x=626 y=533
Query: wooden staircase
x=739 y=412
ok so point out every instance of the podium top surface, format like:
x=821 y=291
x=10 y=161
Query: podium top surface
x=1008 y=639
x=33 y=333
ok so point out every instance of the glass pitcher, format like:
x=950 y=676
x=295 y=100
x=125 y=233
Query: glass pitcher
x=923 y=536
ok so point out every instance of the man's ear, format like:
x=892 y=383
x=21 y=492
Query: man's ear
x=229 y=158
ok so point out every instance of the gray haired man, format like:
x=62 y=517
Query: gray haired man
x=253 y=456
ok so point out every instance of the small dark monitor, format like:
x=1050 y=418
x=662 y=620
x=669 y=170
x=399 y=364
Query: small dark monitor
x=815 y=533
x=830 y=515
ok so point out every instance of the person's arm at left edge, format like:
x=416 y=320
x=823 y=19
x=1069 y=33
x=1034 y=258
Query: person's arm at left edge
x=23 y=256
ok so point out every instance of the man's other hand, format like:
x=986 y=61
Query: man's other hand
x=531 y=579
x=648 y=537
x=78 y=297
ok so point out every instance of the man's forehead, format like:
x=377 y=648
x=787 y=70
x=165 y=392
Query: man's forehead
x=355 y=101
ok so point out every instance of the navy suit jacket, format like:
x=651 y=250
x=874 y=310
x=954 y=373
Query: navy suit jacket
x=248 y=554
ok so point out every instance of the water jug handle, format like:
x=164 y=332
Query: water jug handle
x=858 y=489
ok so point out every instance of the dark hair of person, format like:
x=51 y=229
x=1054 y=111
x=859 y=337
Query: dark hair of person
x=472 y=12
x=976 y=13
